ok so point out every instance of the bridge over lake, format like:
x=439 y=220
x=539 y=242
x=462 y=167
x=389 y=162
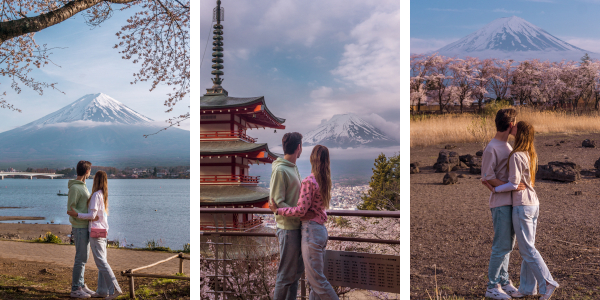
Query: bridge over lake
x=30 y=174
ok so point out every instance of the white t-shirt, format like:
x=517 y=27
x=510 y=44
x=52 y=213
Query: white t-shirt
x=493 y=166
x=96 y=208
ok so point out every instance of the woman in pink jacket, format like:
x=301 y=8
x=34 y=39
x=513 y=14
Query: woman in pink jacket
x=315 y=195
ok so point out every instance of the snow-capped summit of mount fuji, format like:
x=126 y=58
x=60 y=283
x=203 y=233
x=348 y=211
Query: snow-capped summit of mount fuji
x=514 y=38
x=96 y=128
x=93 y=107
x=347 y=130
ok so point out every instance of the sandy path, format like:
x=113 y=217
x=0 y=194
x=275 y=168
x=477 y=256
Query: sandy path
x=63 y=255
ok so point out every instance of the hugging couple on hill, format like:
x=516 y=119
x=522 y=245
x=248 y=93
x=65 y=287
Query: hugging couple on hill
x=88 y=217
x=299 y=208
x=509 y=173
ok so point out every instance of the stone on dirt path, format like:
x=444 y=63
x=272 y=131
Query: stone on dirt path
x=450 y=178
x=587 y=143
x=560 y=171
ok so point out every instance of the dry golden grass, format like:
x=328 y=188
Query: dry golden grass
x=454 y=128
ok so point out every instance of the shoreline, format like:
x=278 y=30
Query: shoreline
x=18 y=231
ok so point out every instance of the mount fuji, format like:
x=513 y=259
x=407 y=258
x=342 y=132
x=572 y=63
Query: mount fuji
x=513 y=38
x=98 y=128
x=348 y=130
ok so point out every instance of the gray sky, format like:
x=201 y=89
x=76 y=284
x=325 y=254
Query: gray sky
x=310 y=59
x=87 y=64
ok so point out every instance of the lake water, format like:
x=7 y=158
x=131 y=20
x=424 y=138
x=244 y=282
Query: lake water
x=140 y=209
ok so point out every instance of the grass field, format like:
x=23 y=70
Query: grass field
x=465 y=128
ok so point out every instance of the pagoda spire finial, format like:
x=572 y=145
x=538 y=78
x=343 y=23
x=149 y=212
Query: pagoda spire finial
x=218 y=16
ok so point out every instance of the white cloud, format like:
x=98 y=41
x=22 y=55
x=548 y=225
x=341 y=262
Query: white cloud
x=373 y=59
x=390 y=128
x=592 y=45
x=420 y=46
x=502 y=10
x=322 y=92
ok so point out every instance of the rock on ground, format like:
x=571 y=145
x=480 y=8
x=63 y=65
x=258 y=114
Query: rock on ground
x=450 y=178
x=560 y=171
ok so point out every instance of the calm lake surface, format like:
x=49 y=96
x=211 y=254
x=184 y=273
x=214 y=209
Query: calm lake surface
x=140 y=209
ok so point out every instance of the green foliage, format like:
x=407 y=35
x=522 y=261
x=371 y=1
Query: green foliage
x=493 y=107
x=154 y=245
x=186 y=248
x=384 y=192
x=341 y=222
x=585 y=58
x=49 y=238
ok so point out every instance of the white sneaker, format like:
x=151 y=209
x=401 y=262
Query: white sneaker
x=497 y=293
x=87 y=290
x=96 y=295
x=511 y=290
x=79 y=293
x=114 y=296
x=549 y=291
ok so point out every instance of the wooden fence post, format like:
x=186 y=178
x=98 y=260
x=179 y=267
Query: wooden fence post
x=180 y=263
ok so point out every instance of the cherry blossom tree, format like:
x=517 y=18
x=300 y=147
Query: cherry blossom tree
x=500 y=76
x=525 y=81
x=463 y=79
x=482 y=80
x=420 y=65
x=439 y=79
x=156 y=37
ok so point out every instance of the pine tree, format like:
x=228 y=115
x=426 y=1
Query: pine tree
x=585 y=58
x=384 y=193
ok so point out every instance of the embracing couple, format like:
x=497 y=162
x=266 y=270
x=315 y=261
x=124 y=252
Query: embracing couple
x=299 y=209
x=510 y=175
x=88 y=217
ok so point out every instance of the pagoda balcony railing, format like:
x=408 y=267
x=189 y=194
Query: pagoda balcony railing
x=237 y=226
x=213 y=135
x=224 y=179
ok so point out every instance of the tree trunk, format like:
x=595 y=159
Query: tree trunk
x=15 y=28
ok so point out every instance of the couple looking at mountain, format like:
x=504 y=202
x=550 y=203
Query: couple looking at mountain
x=509 y=173
x=88 y=217
x=299 y=208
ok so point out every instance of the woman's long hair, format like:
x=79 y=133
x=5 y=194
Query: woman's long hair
x=524 y=143
x=100 y=183
x=319 y=160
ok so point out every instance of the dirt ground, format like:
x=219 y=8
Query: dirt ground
x=35 y=280
x=451 y=227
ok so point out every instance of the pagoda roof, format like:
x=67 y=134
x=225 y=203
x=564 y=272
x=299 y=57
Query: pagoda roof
x=220 y=102
x=227 y=194
x=233 y=147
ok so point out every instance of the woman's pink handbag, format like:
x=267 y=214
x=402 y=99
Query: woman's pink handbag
x=98 y=233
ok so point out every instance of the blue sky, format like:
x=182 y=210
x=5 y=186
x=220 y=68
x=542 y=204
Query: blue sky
x=87 y=64
x=310 y=59
x=434 y=24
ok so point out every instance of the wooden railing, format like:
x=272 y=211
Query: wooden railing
x=243 y=226
x=228 y=179
x=129 y=273
x=209 y=135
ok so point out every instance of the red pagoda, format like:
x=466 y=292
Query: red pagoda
x=226 y=151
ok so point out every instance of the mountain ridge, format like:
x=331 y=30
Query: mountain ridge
x=71 y=134
x=512 y=37
x=347 y=130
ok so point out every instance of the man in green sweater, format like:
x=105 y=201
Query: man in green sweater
x=285 y=190
x=78 y=198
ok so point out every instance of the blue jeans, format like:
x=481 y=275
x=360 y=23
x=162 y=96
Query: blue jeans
x=314 y=241
x=504 y=241
x=81 y=237
x=291 y=266
x=534 y=271
x=107 y=282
